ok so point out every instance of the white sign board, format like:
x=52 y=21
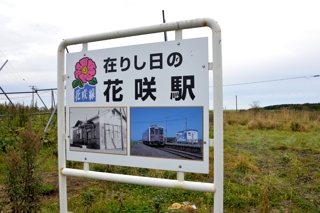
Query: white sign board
x=129 y=105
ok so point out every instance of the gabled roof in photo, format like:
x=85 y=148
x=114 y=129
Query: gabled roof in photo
x=79 y=123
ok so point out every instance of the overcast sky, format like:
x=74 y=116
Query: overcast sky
x=275 y=43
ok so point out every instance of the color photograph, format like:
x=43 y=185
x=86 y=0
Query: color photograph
x=167 y=132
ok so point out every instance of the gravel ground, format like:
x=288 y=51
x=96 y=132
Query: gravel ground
x=140 y=149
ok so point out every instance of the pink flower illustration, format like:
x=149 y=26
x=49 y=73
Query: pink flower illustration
x=85 y=69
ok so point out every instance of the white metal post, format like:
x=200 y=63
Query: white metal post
x=61 y=129
x=218 y=120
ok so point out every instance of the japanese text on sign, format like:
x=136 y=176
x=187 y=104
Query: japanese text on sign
x=144 y=88
x=164 y=72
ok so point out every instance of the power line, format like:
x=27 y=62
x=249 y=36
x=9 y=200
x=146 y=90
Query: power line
x=255 y=82
x=13 y=76
x=17 y=77
x=17 y=97
x=282 y=79
x=162 y=121
x=22 y=97
x=14 y=95
x=30 y=91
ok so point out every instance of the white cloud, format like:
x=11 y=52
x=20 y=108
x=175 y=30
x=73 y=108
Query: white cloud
x=261 y=40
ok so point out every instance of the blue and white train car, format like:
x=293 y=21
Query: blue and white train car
x=187 y=136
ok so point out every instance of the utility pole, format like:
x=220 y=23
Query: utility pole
x=41 y=100
x=52 y=100
x=3 y=65
x=6 y=95
x=1 y=87
x=33 y=89
x=166 y=130
x=164 y=21
x=236 y=103
x=186 y=123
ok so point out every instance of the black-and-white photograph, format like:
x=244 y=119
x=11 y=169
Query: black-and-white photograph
x=98 y=129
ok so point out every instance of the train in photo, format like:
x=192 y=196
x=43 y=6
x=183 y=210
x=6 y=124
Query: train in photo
x=187 y=136
x=153 y=136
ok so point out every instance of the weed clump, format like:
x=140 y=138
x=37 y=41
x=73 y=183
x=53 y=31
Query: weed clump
x=264 y=203
x=297 y=127
x=88 y=198
x=244 y=165
x=263 y=125
x=22 y=180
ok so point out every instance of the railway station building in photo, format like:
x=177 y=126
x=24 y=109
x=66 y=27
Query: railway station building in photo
x=104 y=131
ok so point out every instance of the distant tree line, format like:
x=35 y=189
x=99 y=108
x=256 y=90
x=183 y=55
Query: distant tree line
x=306 y=106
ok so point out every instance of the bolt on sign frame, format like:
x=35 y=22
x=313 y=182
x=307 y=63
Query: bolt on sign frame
x=216 y=66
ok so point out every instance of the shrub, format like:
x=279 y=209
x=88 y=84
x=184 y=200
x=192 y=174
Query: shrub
x=47 y=189
x=231 y=122
x=88 y=198
x=263 y=124
x=6 y=142
x=22 y=180
x=297 y=127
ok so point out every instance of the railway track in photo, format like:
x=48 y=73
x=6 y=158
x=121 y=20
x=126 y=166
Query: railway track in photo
x=184 y=154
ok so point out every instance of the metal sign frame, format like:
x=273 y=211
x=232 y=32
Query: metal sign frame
x=216 y=65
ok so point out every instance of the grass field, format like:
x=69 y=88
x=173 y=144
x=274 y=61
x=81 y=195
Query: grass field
x=271 y=164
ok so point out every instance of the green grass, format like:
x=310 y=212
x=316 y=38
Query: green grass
x=271 y=164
